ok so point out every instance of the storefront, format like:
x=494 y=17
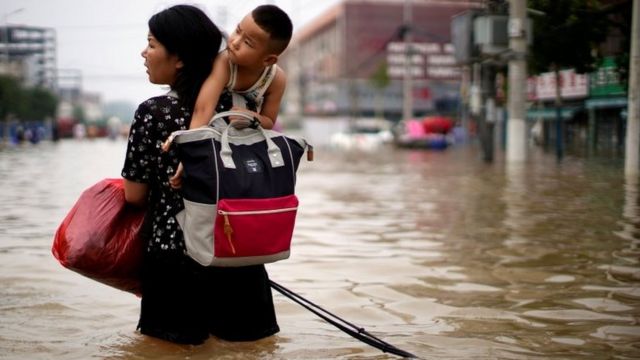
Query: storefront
x=606 y=108
x=543 y=112
x=593 y=110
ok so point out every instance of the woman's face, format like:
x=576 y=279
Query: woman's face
x=162 y=67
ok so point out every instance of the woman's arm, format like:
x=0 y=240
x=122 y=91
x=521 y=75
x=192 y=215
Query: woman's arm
x=135 y=193
x=136 y=172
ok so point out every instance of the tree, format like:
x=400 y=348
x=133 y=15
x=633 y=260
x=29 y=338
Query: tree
x=12 y=98
x=24 y=103
x=566 y=36
x=41 y=104
x=11 y=101
x=78 y=114
x=619 y=17
x=380 y=80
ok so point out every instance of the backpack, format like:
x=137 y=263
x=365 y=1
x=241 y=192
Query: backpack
x=238 y=189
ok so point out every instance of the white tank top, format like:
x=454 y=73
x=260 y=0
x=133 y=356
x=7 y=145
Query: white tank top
x=255 y=94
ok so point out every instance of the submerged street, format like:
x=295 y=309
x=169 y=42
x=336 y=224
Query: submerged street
x=435 y=252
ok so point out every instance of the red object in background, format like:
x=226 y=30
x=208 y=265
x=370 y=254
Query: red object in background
x=422 y=93
x=65 y=127
x=100 y=237
x=437 y=125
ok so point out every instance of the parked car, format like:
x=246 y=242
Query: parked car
x=364 y=134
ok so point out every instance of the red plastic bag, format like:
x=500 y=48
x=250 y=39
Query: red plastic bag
x=100 y=237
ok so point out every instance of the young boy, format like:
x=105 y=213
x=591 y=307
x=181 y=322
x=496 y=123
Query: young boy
x=245 y=76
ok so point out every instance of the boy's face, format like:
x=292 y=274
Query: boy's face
x=249 y=45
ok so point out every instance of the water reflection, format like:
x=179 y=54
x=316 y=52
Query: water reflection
x=435 y=252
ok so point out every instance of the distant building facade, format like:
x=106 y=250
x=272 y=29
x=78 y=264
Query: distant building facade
x=29 y=53
x=350 y=61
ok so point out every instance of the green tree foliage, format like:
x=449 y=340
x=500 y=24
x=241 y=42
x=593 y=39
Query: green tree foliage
x=11 y=97
x=78 y=114
x=41 y=104
x=567 y=35
x=25 y=103
x=380 y=78
x=619 y=17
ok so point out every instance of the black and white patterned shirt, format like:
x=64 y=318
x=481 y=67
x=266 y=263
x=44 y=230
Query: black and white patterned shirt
x=154 y=120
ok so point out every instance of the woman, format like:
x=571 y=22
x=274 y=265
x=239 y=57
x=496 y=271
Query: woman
x=182 y=301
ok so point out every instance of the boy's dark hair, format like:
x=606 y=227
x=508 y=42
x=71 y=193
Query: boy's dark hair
x=276 y=23
x=187 y=32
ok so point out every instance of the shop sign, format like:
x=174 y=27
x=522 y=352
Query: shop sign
x=424 y=60
x=572 y=85
x=605 y=81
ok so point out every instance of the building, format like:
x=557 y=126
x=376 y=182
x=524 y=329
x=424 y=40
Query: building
x=29 y=53
x=350 y=61
x=594 y=105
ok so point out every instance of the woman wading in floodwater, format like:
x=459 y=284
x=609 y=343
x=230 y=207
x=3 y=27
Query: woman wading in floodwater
x=182 y=301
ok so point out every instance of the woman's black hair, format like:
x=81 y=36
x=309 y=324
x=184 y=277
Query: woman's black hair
x=187 y=32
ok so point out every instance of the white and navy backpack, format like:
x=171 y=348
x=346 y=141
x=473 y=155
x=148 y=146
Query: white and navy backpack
x=239 y=192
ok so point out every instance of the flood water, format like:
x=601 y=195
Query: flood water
x=435 y=252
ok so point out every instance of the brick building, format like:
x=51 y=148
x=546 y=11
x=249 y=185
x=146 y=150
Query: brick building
x=333 y=63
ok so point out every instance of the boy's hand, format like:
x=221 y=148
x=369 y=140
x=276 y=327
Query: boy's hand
x=176 y=180
x=240 y=122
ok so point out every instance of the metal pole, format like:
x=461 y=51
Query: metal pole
x=632 y=144
x=487 y=118
x=516 y=126
x=465 y=91
x=407 y=103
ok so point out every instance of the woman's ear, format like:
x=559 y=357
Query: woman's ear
x=179 y=64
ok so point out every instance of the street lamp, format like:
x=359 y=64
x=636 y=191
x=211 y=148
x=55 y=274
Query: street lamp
x=5 y=21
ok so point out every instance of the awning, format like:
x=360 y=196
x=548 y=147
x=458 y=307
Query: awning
x=602 y=103
x=566 y=113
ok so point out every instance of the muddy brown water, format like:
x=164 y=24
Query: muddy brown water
x=435 y=252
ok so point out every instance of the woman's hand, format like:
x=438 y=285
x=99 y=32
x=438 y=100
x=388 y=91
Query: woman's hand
x=176 y=180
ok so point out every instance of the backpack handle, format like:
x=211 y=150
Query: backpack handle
x=245 y=121
x=275 y=155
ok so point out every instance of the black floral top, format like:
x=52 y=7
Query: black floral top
x=145 y=163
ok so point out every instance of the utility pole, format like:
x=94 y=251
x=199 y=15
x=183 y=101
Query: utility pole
x=632 y=143
x=488 y=116
x=516 y=125
x=407 y=103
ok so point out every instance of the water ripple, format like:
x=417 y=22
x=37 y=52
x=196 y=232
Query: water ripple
x=437 y=253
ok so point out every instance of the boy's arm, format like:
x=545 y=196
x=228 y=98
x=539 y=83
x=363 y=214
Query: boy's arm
x=272 y=98
x=210 y=92
x=271 y=105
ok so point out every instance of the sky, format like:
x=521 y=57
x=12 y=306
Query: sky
x=104 y=38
